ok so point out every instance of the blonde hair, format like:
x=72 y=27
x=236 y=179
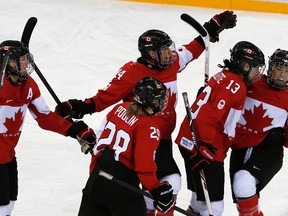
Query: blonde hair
x=135 y=109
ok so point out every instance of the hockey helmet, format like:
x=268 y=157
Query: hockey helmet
x=20 y=63
x=159 y=42
x=277 y=74
x=247 y=60
x=150 y=92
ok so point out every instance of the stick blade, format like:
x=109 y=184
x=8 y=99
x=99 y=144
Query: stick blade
x=28 y=29
x=191 y=21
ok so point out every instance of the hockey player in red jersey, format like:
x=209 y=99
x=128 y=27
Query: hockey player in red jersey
x=19 y=92
x=159 y=59
x=126 y=149
x=215 y=113
x=257 y=150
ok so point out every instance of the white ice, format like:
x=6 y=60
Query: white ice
x=79 y=45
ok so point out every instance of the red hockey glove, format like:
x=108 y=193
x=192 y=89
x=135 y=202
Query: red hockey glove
x=219 y=22
x=203 y=156
x=74 y=108
x=85 y=136
x=163 y=197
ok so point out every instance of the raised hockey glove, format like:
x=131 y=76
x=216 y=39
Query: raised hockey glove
x=218 y=23
x=163 y=197
x=84 y=135
x=74 y=108
x=203 y=156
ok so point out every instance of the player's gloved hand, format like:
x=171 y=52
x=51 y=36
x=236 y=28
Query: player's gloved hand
x=163 y=197
x=219 y=22
x=85 y=135
x=203 y=156
x=74 y=108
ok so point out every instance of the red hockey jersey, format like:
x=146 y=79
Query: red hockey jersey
x=122 y=85
x=134 y=141
x=14 y=101
x=215 y=112
x=265 y=108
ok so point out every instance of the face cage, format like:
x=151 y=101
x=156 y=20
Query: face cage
x=270 y=72
x=255 y=73
x=172 y=58
x=28 y=70
x=160 y=104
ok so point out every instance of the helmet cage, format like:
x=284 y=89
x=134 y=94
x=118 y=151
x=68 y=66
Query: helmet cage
x=15 y=64
x=251 y=71
x=278 y=63
x=164 y=61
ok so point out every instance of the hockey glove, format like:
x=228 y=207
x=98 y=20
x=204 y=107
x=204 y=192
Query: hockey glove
x=203 y=156
x=74 y=108
x=219 y=22
x=163 y=197
x=85 y=135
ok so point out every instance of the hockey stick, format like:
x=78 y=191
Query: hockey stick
x=139 y=191
x=53 y=94
x=206 y=38
x=194 y=139
x=28 y=29
x=26 y=35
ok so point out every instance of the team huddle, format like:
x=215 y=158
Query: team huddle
x=243 y=108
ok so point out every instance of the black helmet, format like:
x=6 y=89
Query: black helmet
x=245 y=56
x=279 y=59
x=155 y=40
x=150 y=92
x=15 y=50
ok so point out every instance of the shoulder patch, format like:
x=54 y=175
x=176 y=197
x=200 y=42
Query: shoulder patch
x=186 y=143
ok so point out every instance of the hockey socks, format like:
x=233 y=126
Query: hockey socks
x=249 y=207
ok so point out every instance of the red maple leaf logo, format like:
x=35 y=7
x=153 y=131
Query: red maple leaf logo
x=13 y=124
x=260 y=122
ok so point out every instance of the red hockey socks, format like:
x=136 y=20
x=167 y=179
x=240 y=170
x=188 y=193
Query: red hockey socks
x=249 y=207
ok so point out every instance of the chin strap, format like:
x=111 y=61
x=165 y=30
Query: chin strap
x=150 y=63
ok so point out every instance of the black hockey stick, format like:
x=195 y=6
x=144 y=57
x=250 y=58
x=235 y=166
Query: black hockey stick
x=139 y=191
x=28 y=29
x=194 y=139
x=206 y=38
x=26 y=35
x=51 y=91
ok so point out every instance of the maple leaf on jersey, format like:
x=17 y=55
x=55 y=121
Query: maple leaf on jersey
x=172 y=100
x=256 y=120
x=13 y=124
